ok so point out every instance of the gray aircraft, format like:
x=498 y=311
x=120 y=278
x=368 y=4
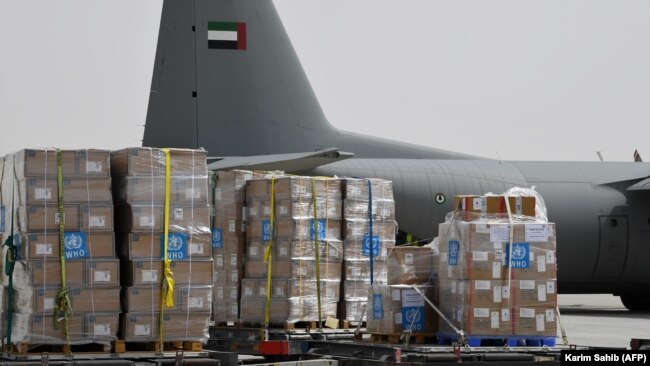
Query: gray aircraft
x=226 y=78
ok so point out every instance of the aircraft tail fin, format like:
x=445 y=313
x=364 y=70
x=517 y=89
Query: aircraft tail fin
x=227 y=78
x=637 y=157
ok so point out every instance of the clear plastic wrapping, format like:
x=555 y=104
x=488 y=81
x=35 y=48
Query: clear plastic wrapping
x=357 y=189
x=285 y=249
x=287 y=310
x=410 y=265
x=397 y=308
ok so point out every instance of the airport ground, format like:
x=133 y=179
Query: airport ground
x=601 y=320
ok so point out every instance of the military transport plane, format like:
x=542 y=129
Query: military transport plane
x=226 y=78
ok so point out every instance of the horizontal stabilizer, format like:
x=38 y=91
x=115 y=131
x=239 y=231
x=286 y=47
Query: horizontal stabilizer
x=293 y=162
x=640 y=186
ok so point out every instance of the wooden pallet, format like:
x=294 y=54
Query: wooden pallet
x=347 y=324
x=400 y=338
x=121 y=346
x=25 y=348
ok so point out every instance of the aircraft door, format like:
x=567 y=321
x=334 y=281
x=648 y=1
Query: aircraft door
x=612 y=251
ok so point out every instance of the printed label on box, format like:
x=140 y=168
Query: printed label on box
x=233 y=293
x=43 y=193
x=496 y=294
x=178 y=214
x=57 y=218
x=365 y=247
x=539 y=322
x=454 y=247
x=149 y=275
x=526 y=313
x=396 y=294
x=97 y=221
x=520 y=255
x=220 y=292
x=479 y=256
x=196 y=248
x=232 y=226
x=527 y=284
x=75 y=245
x=505 y=292
x=550 y=257
x=233 y=260
x=234 y=276
x=536 y=233
x=48 y=303
x=494 y=319
x=500 y=233
x=397 y=318
x=43 y=249
x=262 y=291
x=176 y=246
x=283 y=210
x=408 y=259
x=192 y=193
x=248 y=291
x=266 y=210
x=252 y=211
x=94 y=166
x=217 y=194
x=477 y=204
x=496 y=270
x=550 y=315
x=482 y=285
x=146 y=221
x=217 y=238
x=321 y=229
x=481 y=312
x=252 y=251
x=195 y=302
x=102 y=329
x=541 y=293
x=377 y=307
x=505 y=315
x=541 y=263
x=142 y=330
x=550 y=287
x=333 y=253
x=356 y=272
x=102 y=276
x=266 y=230
x=279 y=291
x=482 y=229
x=219 y=260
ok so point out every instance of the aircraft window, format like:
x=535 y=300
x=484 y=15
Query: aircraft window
x=613 y=223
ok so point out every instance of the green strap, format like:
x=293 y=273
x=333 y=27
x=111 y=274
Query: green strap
x=63 y=306
x=10 y=263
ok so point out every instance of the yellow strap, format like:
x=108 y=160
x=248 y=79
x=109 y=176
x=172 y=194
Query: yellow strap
x=63 y=307
x=167 y=290
x=268 y=257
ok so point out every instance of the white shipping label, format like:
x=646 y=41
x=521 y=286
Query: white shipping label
x=541 y=263
x=244 y=213
x=500 y=233
x=146 y=221
x=453 y=287
x=449 y=272
x=333 y=253
x=550 y=287
x=461 y=287
x=477 y=204
x=284 y=210
x=43 y=193
x=550 y=257
x=384 y=252
x=482 y=285
x=531 y=256
x=505 y=315
x=234 y=276
x=356 y=272
x=195 y=302
x=494 y=319
x=192 y=194
x=279 y=291
x=234 y=309
x=43 y=249
x=444 y=257
x=233 y=293
x=102 y=276
x=482 y=229
x=252 y=211
x=217 y=194
x=284 y=251
x=48 y=303
x=94 y=166
x=526 y=313
x=149 y=275
x=219 y=260
x=396 y=294
x=248 y=291
x=196 y=248
x=262 y=291
x=57 y=218
x=411 y=298
x=267 y=210
x=479 y=256
x=481 y=312
x=518 y=205
x=252 y=251
x=496 y=294
x=539 y=322
x=496 y=269
x=142 y=330
x=303 y=271
x=220 y=292
x=527 y=284
x=242 y=227
x=550 y=315
x=408 y=259
x=232 y=226
x=498 y=248
x=97 y=221
x=102 y=329
x=178 y=213
x=233 y=260
x=541 y=293
x=536 y=233
x=398 y=318
x=505 y=292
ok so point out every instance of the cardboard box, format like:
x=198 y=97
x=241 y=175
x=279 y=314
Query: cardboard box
x=410 y=265
x=303 y=269
x=230 y=186
x=534 y=293
x=83 y=299
x=357 y=189
x=359 y=249
x=139 y=246
x=286 y=249
x=226 y=293
x=358 y=229
x=534 y=321
x=474 y=207
x=287 y=208
x=44 y=190
x=150 y=219
x=46 y=245
x=477 y=293
x=479 y=321
x=48 y=273
x=253 y=310
x=356 y=289
x=152 y=161
x=294 y=229
x=43 y=162
x=41 y=218
x=226 y=260
x=40 y=329
x=151 y=190
x=186 y=327
x=231 y=243
x=97 y=218
x=353 y=310
x=225 y=311
x=289 y=288
x=227 y=276
x=145 y=299
x=230 y=228
x=397 y=308
x=382 y=209
x=94 y=163
x=101 y=327
x=195 y=299
x=139 y=327
x=144 y=272
x=145 y=246
x=360 y=270
x=102 y=272
x=305 y=308
x=230 y=211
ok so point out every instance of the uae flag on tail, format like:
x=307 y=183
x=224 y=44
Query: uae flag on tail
x=227 y=35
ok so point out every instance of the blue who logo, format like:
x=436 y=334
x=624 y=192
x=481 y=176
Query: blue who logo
x=520 y=255
x=321 y=228
x=75 y=245
x=176 y=246
x=454 y=248
x=412 y=318
x=217 y=238
x=266 y=230
x=377 y=307
x=367 y=245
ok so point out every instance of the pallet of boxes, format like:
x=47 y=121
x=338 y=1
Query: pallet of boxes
x=61 y=280
x=166 y=284
x=498 y=272
x=369 y=230
x=294 y=252
x=229 y=243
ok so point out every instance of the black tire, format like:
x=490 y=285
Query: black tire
x=636 y=302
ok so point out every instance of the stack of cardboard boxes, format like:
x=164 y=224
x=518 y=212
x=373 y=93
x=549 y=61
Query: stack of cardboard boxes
x=305 y=214
x=139 y=185
x=397 y=306
x=359 y=244
x=490 y=287
x=229 y=242
x=31 y=180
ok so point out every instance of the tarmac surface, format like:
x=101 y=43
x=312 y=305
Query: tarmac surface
x=601 y=321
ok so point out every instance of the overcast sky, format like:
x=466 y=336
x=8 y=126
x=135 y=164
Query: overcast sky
x=533 y=80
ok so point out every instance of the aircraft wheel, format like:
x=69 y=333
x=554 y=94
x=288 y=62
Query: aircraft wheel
x=636 y=302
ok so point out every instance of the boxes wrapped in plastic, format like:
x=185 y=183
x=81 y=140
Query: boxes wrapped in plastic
x=295 y=187
x=183 y=190
x=86 y=163
x=356 y=289
x=290 y=288
x=287 y=310
x=360 y=270
x=534 y=321
x=478 y=321
x=354 y=310
x=382 y=210
x=357 y=189
x=43 y=329
x=397 y=308
x=478 y=293
x=45 y=245
x=147 y=161
x=473 y=207
x=303 y=269
x=146 y=218
x=43 y=191
x=260 y=208
x=410 y=265
x=177 y=327
x=189 y=272
x=300 y=229
x=359 y=249
x=359 y=229
x=286 y=249
x=35 y=218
